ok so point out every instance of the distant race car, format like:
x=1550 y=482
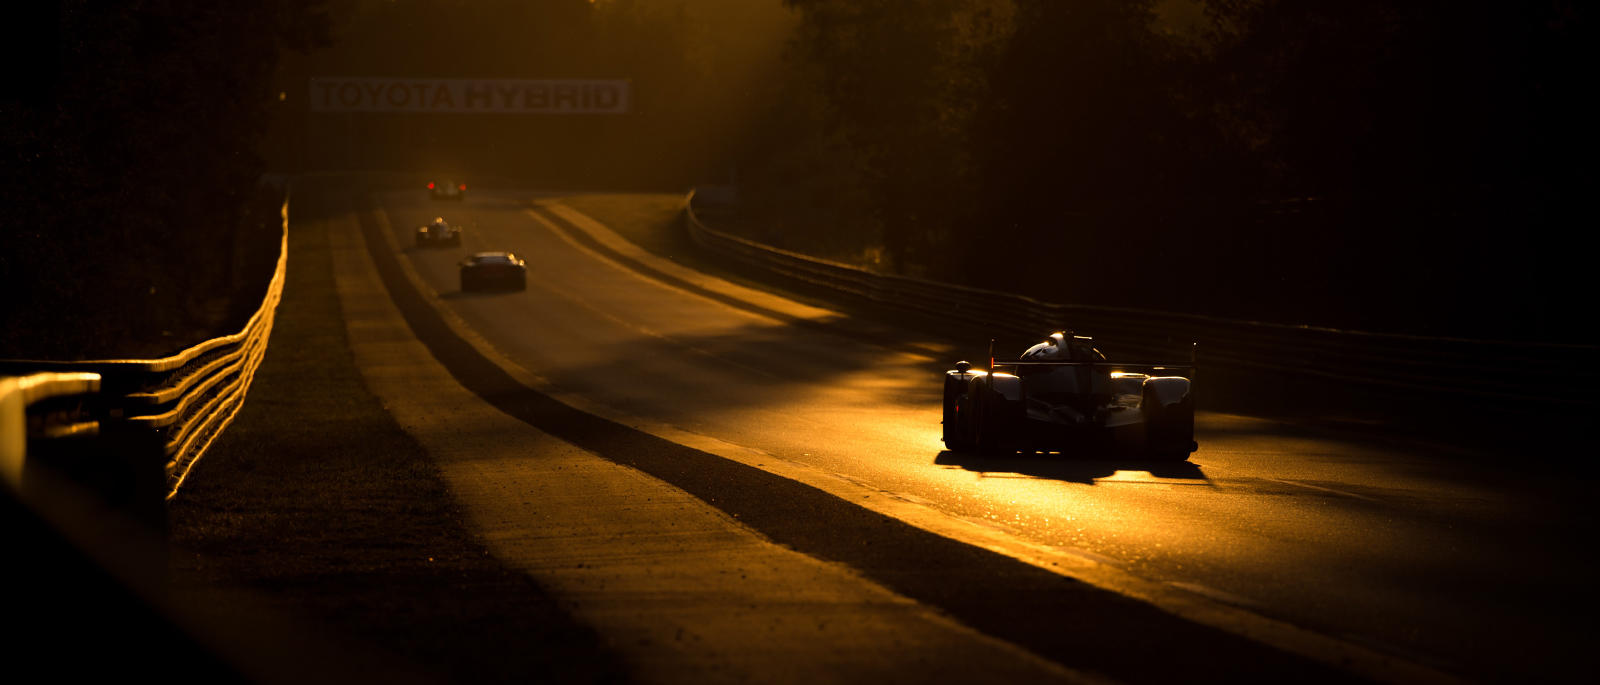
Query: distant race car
x=438 y=232
x=493 y=271
x=447 y=190
x=1064 y=395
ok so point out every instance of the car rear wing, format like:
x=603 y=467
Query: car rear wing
x=1013 y=364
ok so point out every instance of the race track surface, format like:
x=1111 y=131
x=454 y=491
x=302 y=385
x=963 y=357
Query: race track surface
x=1406 y=560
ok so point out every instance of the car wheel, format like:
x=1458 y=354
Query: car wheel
x=1167 y=455
x=998 y=428
x=957 y=410
x=981 y=419
x=1168 y=429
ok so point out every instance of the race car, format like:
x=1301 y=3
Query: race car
x=493 y=270
x=438 y=232
x=1063 y=395
x=447 y=190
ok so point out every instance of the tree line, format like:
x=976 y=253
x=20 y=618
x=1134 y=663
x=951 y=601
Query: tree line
x=1403 y=165
x=1411 y=166
x=131 y=143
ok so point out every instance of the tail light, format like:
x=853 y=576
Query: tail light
x=463 y=186
x=430 y=185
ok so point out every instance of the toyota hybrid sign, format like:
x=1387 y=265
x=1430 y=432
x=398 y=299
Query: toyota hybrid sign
x=469 y=96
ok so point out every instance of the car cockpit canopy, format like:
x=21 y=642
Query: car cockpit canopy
x=1059 y=347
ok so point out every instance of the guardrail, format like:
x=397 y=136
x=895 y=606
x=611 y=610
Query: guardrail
x=132 y=429
x=1534 y=374
x=30 y=409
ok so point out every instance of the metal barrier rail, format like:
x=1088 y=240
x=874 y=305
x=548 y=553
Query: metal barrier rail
x=23 y=403
x=1538 y=374
x=148 y=413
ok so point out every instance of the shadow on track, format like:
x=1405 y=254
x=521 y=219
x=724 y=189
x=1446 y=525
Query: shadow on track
x=480 y=294
x=1072 y=469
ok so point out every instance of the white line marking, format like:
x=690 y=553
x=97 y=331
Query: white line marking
x=1213 y=593
x=1319 y=487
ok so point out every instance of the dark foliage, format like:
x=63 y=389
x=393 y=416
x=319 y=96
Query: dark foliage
x=130 y=160
x=1400 y=166
x=1376 y=164
x=1421 y=157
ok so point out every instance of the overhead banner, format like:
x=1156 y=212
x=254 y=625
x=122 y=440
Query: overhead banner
x=469 y=96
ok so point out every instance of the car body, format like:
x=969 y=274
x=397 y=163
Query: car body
x=493 y=271
x=1064 y=395
x=447 y=189
x=438 y=232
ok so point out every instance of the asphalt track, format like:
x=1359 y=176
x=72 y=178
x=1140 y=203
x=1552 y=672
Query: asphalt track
x=1293 y=548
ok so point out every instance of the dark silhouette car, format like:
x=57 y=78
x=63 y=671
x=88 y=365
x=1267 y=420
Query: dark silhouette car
x=438 y=232
x=447 y=190
x=1064 y=395
x=493 y=271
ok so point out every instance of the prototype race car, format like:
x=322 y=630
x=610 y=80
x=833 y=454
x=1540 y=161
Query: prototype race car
x=493 y=271
x=1064 y=395
x=447 y=190
x=439 y=232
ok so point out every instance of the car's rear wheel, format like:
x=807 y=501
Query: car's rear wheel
x=1001 y=426
x=957 y=416
x=981 y=419
x=987 y=435
x=1167 y=452
x=1168 y=429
